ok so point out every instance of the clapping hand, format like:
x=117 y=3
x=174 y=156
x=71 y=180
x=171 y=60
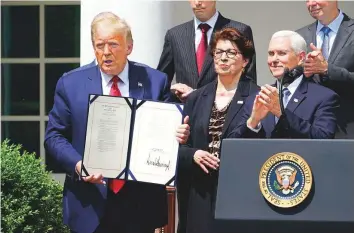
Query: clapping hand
x=315 y=63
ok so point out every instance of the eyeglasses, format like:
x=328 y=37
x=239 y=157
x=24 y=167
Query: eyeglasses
x=230 y=53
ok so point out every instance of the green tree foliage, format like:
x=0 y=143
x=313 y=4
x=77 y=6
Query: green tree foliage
x=30 y=198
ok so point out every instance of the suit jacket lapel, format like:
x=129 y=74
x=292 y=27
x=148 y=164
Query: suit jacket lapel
x=236 y=104
x=208 y=103
x=94 y=82
x=189 y=38
x=298 y=96
x=311 y=35
x=136 y=82
x=341 y=38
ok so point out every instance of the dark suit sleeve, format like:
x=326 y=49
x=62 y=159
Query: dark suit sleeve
x=186 y=151
x=336 y=73
x=59 y=130
x=166 y=93
x=251 y=69
x=166 y=63
x=242 y=131
x=323 y=125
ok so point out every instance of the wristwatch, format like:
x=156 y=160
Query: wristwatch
x=324 y=76
x=325 y=73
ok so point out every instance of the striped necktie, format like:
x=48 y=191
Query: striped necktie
x=202 y=47
x=325 y=43
x=286 y=95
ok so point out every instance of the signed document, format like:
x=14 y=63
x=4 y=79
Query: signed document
x=154 y=145
x=132 y=139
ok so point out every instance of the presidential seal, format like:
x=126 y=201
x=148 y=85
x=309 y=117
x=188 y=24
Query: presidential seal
x=285 y=180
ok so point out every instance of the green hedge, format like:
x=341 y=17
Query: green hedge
x=30 y=198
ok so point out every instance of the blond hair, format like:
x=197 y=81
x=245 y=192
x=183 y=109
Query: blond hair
x=111 y=20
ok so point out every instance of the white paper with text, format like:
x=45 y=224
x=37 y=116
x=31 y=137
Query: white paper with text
x=107 y=136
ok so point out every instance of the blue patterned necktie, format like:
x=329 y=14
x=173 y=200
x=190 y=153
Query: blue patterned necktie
x=325 y=43
x=286 y=95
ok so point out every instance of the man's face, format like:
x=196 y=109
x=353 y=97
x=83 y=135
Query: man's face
x=320 y=9
x=111 y=49
x=203 y=10
x=281 y=55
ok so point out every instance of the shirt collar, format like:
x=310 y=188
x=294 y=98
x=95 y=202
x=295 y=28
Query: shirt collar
x=211 y=22
x=123 y=76
x=334 y=25
x=292 y=86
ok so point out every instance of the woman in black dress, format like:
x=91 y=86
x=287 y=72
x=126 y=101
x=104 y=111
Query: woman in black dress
x=212 y=110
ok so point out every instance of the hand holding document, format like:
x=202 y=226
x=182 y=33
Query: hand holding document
x=132 y=139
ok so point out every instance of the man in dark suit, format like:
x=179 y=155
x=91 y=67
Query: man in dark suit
x=186 y=52
x=310 y=109
x=94 y=204
x=330 y=62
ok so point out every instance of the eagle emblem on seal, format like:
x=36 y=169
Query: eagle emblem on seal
x=286 y=179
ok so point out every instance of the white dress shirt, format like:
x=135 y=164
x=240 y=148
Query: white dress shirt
x=334 y=26
x=198 y=32
x=123 y=83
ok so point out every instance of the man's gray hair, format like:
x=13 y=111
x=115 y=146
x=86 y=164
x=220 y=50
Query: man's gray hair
x=298 y=43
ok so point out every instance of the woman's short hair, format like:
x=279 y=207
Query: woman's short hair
x=235 y=36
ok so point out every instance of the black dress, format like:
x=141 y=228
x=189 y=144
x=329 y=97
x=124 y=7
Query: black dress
x=203 y=191
x=195 y=189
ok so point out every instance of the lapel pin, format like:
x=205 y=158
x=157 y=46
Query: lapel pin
x=296 y=100
x=140 y=84
x=240 y=102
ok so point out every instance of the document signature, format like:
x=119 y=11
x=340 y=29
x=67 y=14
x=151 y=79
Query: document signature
x=154 y=159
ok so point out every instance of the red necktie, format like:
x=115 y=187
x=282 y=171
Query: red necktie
x=114 y=184
x=203 y=46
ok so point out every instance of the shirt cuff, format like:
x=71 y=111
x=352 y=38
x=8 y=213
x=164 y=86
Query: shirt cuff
x=257 y=129
x=77 y=173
